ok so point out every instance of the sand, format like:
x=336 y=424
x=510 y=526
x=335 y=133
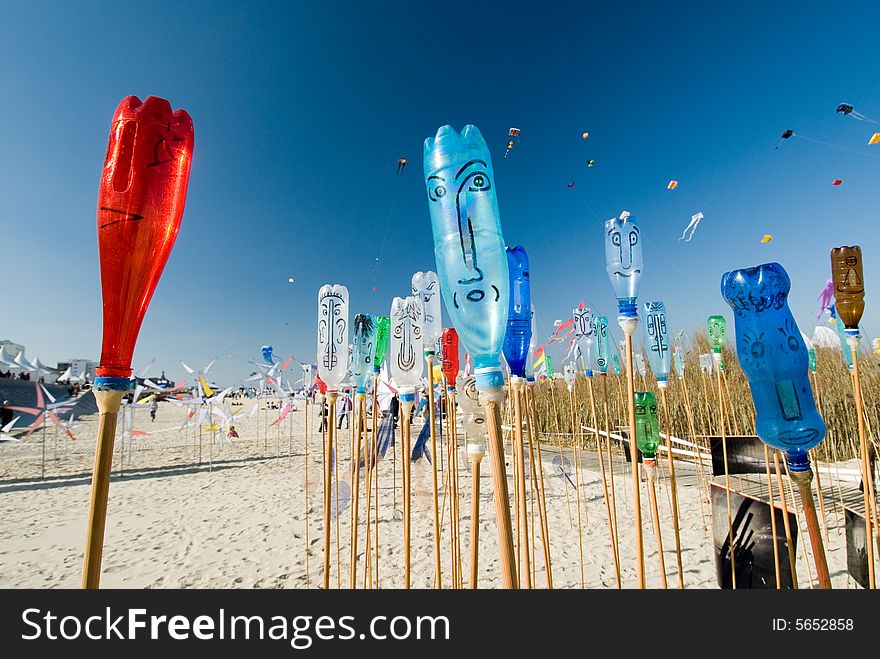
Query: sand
x=176 y=523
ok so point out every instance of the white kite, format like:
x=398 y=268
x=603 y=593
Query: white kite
x=692 y=227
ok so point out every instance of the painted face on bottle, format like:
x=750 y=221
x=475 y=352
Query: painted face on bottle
x=426 y=288
x=623 y=256
x=716 y=329
x=362 y=349
x=774 y=358
x=583 y=324
x=600 y=329
x=406 y=340
x=656 y=334
x=849 y=286
x=468 y=244
x=332 y=333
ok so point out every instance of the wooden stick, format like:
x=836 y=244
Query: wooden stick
x=772 y=516
x=308 y=547
x=786 y=522
x=109 y=402
x=375 y=469
x=499 y=487
x=577 y=487
x=628 y=325
x=701 y=473
x=405 y=409
x=607 y=415
x=519 y=452
x=438 y=579
x=867 y=481
x=726 y=475
x=336 y=460
x=538 y=478
x=614 y=548
x=803 y=479
x=476 y=457
x=328 y=481
x=453 y=438
x=650 y=468
x=673 y=487
x=369 y=456
x=359 y=409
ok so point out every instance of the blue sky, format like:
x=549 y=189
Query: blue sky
x=301 y=112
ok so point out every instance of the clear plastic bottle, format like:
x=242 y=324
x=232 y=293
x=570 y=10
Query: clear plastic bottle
x=519 y=315
x=406 y=346
x=426 y=287
x=469 y=245
x=332 y=334
x=363 y=329
x=775 y=360
x=657 y=340
x=623 y=262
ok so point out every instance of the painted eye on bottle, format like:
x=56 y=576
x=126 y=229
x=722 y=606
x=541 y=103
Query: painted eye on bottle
x=633 y=238
x=615 y=239
x=479 y=182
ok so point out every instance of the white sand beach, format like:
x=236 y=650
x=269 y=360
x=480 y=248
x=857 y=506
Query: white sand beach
x=241 y=523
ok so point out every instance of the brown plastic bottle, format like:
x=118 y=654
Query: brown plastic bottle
x=849 y=284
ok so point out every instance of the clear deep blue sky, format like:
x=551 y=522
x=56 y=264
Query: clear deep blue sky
x=301 y=112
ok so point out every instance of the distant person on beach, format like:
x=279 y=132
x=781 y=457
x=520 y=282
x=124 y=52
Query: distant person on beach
x=344 y=411
x=6 y=415
x=154 y=406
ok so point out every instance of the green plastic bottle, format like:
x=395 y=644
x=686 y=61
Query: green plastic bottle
x=383 y=328
x=549 y=363
x=716 y=328
x=647 y=429
x=812 y=358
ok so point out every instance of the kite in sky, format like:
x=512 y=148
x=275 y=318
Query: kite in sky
x=825 y=297
x=874 y=138
x=513 y=134
x=672 y=185
x=837 y=181
x=766 y=238
x=692 y=227
x=848 y=111
x=401 y=165
x=590 y=163
x=585 y=135
x=785 y=136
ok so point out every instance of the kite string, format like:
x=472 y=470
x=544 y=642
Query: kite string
x=378 y=262
x=835 y=146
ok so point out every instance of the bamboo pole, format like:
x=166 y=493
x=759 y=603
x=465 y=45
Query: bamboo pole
x=475 y=453
x=359 y=412
x=405 y=410
x=375 y=470
x=628 y=325
x=607 y=415
x=673 y=487
x=772 y=517
x=867 y=481
x=306 y=496
x=538 y=478
x=328 y=480
x=785 y=521
x=438 y=579
x=717 y=357
x=803 y=480
x=519 y=452
x=109 y=402
x=577 y=487
x=369 y=456
x=650 y=471
x=492 y=399
x=615 y=551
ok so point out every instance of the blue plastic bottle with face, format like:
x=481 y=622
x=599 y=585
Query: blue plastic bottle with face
x=623 y=262
x=519 y=315
x=657 y=340
x=603 y=347
x=469 y=245
x=775 y=360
